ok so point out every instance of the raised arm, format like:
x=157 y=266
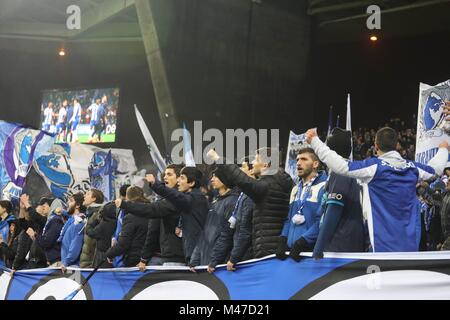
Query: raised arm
x=362 y=170
x=180 y=200
x=436 y=165
x=255 y=189
x=154 y=210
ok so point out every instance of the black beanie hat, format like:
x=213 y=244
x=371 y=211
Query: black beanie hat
x=340 y=141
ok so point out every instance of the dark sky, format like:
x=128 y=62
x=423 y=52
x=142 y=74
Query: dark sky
x=383 y=78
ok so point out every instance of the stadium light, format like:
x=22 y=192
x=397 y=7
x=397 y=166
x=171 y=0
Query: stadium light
x=373 y=38
x=62 y=52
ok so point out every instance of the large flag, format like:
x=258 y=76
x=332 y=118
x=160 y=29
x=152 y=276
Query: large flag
x=65 y=169
x=338 y=276
x=151 y=145
x=187 y=149
x=295 y=143
x=348 y=122
x=432 y=128
x=101 y=174
x=19 y=145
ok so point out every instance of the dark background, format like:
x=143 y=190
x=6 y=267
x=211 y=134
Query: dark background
x=236 y=64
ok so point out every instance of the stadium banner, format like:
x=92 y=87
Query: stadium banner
x=339 y=276
x=65 y=168
x=19 y=145
x=432 y=128
x=296 y=142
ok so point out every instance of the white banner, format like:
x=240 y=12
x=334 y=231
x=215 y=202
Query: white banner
x=432 y=128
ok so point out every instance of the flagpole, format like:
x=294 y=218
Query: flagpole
x=348 y=123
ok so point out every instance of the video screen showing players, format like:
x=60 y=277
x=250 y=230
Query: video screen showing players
x=83 y=116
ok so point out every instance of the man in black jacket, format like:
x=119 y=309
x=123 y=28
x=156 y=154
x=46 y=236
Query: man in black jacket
x=37 y=221
x=47 y=239
x=235 y=239
x=217 y=220
x=188 y=201
x=164 y=218
x=270 y=192
x=134 y=230
x=102 y=230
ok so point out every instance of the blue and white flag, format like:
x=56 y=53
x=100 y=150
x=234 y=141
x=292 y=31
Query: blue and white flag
x=101 y=174
x=65 y=168
x=19 y=145
x=187 y=150
x=151 y=145
x=432 y=128
x=338 y=276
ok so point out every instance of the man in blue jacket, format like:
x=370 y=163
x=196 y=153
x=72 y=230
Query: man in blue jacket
x=389 y=188
x=71 y=236
x=301 y=228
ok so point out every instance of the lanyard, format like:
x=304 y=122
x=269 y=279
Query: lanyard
x=302 y=200
x=238 y=202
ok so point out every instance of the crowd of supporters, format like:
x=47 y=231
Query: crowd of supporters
x=229 y=213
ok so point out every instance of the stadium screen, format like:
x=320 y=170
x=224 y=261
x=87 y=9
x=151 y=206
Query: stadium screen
x=84 y=116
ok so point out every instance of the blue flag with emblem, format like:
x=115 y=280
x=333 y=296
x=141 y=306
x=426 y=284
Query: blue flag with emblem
x=19 y=145
x=101 y=174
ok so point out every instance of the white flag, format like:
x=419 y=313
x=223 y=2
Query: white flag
x=348 y=123
x=151 y=145
x=188 y=155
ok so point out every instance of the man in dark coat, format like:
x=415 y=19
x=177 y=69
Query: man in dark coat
x=270 y=192
x=235 y=239
x=102 y=231
x=188 y=201
x=217 y=219
x=164 y=219
x=134 y=230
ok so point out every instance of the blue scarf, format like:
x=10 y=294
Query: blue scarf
x=118 y=261
x=4 y=227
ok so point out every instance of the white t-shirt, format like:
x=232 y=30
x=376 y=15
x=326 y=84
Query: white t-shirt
x=48 y=113
x=93 y=108
x=62 y=114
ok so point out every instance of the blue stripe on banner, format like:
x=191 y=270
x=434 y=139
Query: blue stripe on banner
x=337 y=276
x=275 y=279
